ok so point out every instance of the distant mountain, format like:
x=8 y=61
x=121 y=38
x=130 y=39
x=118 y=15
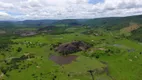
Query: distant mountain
x=114 y=23
x=7 y=24
x=68 y=22
x=111 y=23
x=38 y=23
x=27 y=23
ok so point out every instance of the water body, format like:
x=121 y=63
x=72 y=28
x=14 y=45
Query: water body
x=62 y=60
x=117 y=45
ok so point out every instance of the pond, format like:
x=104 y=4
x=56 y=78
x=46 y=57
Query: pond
x=61 y=60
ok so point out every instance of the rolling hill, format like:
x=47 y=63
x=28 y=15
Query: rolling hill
x=112 y=23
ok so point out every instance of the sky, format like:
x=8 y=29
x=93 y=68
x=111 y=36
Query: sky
x=67 y=9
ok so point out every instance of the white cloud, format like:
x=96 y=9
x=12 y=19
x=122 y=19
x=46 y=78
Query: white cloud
x=62 y=9
x=5 y=16
x=4 y=6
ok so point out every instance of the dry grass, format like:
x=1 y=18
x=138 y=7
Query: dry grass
x=131 y=27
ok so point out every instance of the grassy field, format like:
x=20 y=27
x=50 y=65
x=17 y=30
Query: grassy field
x=109 y=57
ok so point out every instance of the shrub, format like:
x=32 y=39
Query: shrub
x=19 y=49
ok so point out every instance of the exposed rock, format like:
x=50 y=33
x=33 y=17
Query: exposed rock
x=72 y=47
x=25 y=32
x=29 y=34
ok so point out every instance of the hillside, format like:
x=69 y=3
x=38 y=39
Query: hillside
x=137 y=34
x=27 y=23
x=129 y=24
x=112 y=23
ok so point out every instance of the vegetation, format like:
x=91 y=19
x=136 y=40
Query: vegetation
x=93 y=51
x=137 y=35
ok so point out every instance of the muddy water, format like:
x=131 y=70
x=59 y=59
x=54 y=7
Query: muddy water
x=61 y=60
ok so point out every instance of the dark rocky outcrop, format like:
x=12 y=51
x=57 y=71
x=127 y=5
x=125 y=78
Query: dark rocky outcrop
x=72 y=47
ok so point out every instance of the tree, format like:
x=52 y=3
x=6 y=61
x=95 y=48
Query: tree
x=97 y=56
x=19 y=49
x=91 y=73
